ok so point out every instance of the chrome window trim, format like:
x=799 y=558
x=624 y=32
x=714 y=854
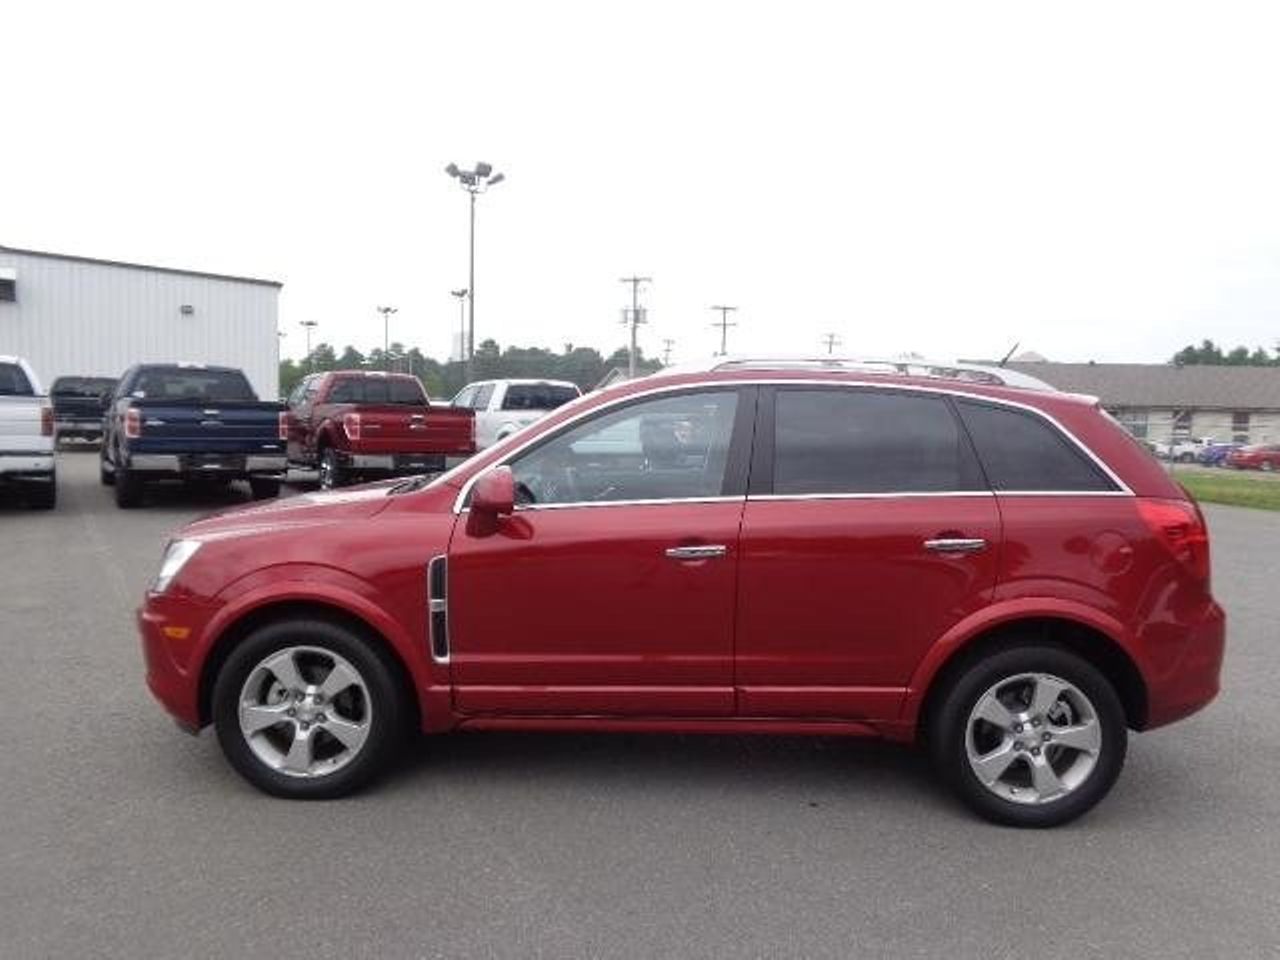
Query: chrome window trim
x=655 y=501
x=878 y=495
x=953 y=391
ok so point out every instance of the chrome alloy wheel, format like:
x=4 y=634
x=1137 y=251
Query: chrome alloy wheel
x=305 y=711
x=1033 y=738
x=328 y=471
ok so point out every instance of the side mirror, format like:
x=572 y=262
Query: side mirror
x=494 y=494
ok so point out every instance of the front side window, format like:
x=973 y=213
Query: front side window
x=839 y=441
x=1022 y=451
x=663 y=449
x=463 y=397
x=481 y=400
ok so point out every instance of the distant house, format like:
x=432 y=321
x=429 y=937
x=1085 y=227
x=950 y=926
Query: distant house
x=1159 y=402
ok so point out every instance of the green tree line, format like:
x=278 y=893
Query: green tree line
x=1210 y=353
x=584 y=366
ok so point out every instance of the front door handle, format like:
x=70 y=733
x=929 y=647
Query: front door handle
x=698 y=552
x=956 y=544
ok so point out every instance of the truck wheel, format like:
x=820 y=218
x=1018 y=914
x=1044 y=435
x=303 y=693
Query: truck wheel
x=308 y=709
x=43 y=496
x=1032 y=736
x=264 y=489
x=106 y=477
x=332 y=474
x=128 y=489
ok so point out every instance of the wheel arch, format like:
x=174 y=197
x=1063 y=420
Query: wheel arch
x=1088 y=641
x=295 y=609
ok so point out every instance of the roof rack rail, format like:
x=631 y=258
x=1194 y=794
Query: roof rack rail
x=900 y=366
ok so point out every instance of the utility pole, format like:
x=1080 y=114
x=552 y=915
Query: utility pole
x=635 y=318
x=462 y=322
x=475 y=182
x=310 y=325
x=724 y=323
x=832 y=341
x=667 y=344
x=386 y=335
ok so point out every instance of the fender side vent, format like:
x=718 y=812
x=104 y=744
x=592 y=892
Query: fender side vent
x=438 y=607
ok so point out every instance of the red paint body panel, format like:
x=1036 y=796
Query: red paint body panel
x=557 y=600
x=824 y=615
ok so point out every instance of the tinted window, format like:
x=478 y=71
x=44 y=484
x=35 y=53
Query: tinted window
x=1022 y=451
x=537 y=396
x=860 y=441
x=82 y=386
x=192 y=384
x=672 y=448
x=13 y=382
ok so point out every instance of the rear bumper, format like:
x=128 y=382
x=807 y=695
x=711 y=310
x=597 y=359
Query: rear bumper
x=1191 y=683
x=77 y=428
x=166 y=464
x=14 y=463
x=394 y=463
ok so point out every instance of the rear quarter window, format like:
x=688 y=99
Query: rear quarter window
x=1021 y=451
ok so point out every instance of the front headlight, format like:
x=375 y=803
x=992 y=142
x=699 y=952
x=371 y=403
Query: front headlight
x=176 y=556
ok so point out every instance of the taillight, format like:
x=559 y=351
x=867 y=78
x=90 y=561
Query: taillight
x=1180 y=528
x=46 y=421
x=132 y=424
x=284 y=425
x=351 y=424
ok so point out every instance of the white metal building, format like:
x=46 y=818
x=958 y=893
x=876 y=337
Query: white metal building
x=76 y=315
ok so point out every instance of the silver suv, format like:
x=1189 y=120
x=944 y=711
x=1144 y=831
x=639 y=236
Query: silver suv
x=26 y=434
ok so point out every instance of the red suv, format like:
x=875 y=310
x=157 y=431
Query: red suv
x=999 y=574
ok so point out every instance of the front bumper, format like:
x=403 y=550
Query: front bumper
x=170 y=631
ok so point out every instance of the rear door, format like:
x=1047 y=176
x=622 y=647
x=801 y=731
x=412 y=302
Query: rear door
x=869 y=531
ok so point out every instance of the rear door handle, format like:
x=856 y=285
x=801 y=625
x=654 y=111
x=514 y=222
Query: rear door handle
x=956 y=544
x=698 y=552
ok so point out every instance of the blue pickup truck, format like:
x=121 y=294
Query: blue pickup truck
x=190 y=422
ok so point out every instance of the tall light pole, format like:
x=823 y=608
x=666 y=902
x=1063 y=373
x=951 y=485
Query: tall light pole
x=474 y=182
x=386 y=334
x=310 y=325
x=724 y=323
x=832 y=341
x=462 y=321
x=635 y=319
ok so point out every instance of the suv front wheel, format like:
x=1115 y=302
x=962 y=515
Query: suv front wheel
x=1032 y=736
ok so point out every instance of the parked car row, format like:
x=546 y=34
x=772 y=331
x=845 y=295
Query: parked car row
x=198 y=423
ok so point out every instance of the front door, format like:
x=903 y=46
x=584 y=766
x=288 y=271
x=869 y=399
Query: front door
x=868 y=533
x=611 y=589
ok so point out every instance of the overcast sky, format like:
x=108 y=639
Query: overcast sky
x=1095 y=181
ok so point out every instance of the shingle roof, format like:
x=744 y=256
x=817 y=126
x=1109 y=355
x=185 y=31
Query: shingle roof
x=1165 y=385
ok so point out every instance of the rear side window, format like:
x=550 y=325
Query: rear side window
x=13 y=381
x=832 y=441
x=407 y=392
x=1021 y=451
x=537 y=396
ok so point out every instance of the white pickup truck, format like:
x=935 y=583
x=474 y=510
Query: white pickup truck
x=26 y=434
x=504 y=406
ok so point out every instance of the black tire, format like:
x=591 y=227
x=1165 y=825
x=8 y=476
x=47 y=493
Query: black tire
x=264 y=489
x=332 y=474
x=43 y=496
x=106 y=477
x=128 y=489
x=948 y=733
x=388 y=718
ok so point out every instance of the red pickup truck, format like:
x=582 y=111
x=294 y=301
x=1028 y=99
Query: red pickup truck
x=362 y=424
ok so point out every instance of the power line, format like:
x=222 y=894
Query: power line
x=667 y=344
x=634 y=318
x=724 y=323
x=832 y=341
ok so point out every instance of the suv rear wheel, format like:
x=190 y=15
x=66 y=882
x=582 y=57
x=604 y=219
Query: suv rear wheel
x=306 y=709
x=1032 y=736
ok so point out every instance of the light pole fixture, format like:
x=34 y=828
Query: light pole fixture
x=386 y=334
x=475 y=182
x=462 y=321
x=310 y=325
x=724 y=323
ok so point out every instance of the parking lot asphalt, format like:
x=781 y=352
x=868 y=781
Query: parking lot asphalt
x=122 y=837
